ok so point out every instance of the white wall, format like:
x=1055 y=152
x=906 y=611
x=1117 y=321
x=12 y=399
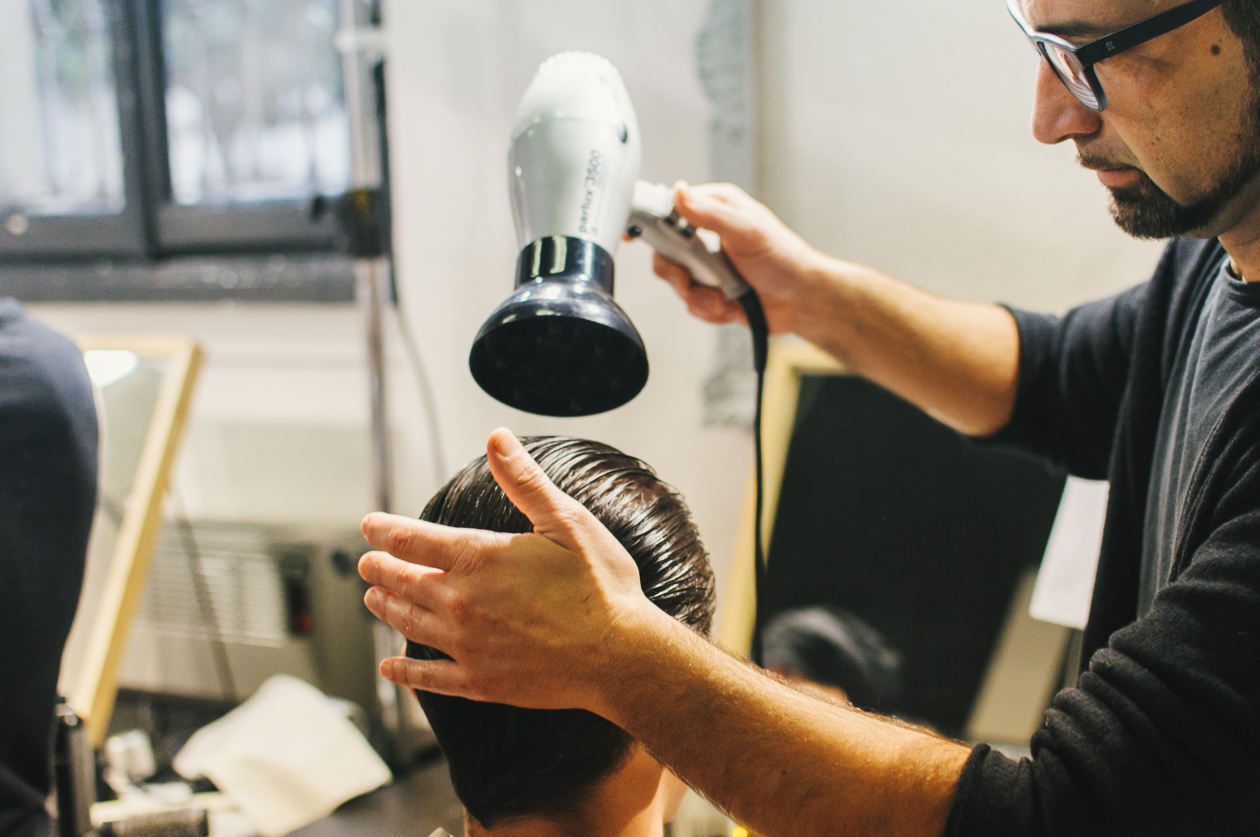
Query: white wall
x=277 y=432
x=897 y=135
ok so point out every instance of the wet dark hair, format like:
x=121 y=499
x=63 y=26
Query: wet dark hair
x=507 y=762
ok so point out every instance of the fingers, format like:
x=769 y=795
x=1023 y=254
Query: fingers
x=421 y=542
x=727 y=210
x=712 y=306
x=702 y=301
x=674 y=274
x=552 y=512
x=442 y=677
x=418 y=584
x=416 y=623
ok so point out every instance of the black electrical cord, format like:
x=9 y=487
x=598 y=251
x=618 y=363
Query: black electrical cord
x=427 y=398
x=751 y=303
x=205 y=603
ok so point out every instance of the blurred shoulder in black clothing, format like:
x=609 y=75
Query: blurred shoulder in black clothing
x=48 y=465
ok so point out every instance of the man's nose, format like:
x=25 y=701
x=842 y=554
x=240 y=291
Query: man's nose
x=1057 y=115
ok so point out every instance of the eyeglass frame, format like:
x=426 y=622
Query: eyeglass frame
x=1087 y=55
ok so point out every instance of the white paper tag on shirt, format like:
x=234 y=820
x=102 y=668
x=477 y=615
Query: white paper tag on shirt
x=1065 y=582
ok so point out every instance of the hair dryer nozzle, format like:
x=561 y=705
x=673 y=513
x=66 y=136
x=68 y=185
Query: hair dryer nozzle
x=560 y=345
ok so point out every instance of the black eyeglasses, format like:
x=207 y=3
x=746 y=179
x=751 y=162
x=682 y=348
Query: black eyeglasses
x=1074 y=65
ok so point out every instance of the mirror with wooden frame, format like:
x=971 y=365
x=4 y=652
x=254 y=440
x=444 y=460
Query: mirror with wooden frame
x=144 y=385
x=877 y=510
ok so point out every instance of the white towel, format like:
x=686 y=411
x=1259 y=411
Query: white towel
x=286 y=756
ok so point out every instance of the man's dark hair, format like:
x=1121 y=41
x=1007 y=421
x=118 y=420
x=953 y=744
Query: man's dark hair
x=507 y=762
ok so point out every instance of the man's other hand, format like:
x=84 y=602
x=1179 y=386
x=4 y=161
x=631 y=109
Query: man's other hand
x=526 y=619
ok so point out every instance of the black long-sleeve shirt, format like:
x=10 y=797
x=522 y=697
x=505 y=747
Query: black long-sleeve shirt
x=1162 y=734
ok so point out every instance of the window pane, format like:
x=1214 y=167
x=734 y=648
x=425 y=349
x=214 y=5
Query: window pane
x=254 y=104
x=60 y=147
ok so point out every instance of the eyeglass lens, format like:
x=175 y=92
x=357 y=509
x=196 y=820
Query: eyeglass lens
x=1071 y=72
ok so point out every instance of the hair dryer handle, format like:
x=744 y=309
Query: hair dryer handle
x=654 y=219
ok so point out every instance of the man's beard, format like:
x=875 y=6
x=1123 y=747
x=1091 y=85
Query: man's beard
x=1146 y=211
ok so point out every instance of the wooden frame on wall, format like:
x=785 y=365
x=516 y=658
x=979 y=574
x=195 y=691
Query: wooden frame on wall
x=94 y=682
x=790 y=360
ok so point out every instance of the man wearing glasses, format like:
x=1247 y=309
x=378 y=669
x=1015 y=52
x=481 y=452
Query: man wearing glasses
x=1157 y=390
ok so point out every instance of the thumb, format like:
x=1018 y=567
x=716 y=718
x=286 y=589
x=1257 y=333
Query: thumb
x=738 y=219
x=554 y=514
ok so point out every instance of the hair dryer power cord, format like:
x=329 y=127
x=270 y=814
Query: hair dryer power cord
x=751 y=303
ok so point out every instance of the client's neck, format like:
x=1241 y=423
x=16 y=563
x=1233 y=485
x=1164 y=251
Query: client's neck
x=629 y=803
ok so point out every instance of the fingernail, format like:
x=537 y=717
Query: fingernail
x=505 y=442
x=372 y=599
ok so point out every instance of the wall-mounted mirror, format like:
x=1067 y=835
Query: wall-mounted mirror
x=145 y=384
x=878 y=512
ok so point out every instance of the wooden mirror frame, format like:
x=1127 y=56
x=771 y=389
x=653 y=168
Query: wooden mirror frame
x=96 y=682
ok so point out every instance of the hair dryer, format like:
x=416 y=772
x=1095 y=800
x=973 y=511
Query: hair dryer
x=560 y=345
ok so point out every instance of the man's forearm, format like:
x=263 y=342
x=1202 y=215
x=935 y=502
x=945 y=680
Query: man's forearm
x=781 y=762
x=958 y=361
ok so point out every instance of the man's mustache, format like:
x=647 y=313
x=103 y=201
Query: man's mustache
x=1095 y=162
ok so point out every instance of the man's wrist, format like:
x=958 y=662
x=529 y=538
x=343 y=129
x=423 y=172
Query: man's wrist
x=831 y=291
x=644 y=649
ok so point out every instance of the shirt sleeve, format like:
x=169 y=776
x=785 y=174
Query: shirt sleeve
x=1162 y=735
x=1074 y=370
x=1072 y=374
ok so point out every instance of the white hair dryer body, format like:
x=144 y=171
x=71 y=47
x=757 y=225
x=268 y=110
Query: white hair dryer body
x=560 y=345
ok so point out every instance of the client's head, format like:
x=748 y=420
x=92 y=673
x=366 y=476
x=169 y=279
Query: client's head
x=510 y=764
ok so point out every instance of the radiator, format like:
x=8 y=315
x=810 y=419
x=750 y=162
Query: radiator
x=227 y=605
